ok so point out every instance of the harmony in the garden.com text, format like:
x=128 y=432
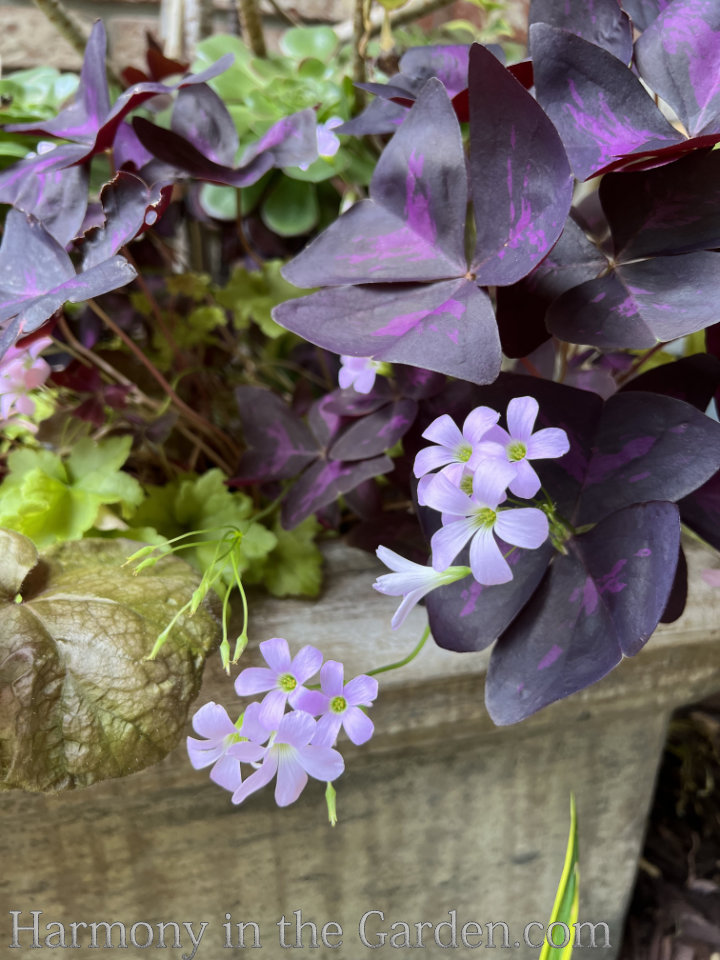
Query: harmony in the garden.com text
x=374 y=930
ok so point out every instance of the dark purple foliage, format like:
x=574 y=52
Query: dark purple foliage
x=205 y=149
x=605 y=117
x=629 y=457
x=412 y=231
x=130 y=207
x=37 y=277
x=601 y=22
x=339 y=449
x=598 y=603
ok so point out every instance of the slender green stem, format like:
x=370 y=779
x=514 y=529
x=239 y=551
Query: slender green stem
x=242 y=639
x=198 y=419
x=405 y=660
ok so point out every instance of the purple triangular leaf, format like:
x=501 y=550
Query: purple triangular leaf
x=647 y=447
x=412 y=227
x=57 y=199
x=672 y=209
x=679 y=57
x=127 y=149
x=447 y=327
x=379 y=117
x=638 y=304
x=130 y=206
x=601 y=22
x=37 y=277
x=521 y=308
x=597 y=604
x=280 y=444
x=81 y=119
x=375 y=433
x=449 y=63
x=90 y=120
x=417 y=383
x=289 y=142
x=597 y=104
x=466 y=616
x=178 y=153
x=13 y=181
x=521 y=180
x=201 y=117
x=324 y=482
x=324 y=421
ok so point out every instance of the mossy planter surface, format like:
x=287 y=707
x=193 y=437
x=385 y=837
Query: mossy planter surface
x=440 y=812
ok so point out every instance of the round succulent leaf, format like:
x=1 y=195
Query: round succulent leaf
x=291 y=208
x=78 y=701
x=303 y=42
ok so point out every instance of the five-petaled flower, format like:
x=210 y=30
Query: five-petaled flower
x=341 y=706
x=283 y=677
x=452 y=445
x=520 y=445
x=479 y=520
x=289 y=753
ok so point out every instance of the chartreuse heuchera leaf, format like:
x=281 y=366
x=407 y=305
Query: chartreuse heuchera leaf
x=50 y=499
x=400 y=286
x=81 y=703
x=572 y=611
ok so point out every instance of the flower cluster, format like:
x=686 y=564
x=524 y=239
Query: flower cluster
x=292 y=745
x=22 y=370
x=475 y=468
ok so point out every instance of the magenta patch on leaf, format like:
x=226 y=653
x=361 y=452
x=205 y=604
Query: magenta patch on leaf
x=550 y=657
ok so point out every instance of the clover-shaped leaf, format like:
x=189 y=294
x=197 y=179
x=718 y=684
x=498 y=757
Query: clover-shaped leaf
x=79 y=703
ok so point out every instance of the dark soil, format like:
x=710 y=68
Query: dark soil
x=675 y=909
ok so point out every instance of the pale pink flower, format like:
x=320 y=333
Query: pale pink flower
x=411 y=581
x=289 y=754
x=212 y=721
x=283 y=677
x=478 y=519
x=520 y=445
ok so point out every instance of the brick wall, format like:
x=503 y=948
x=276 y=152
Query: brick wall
x=28 y=39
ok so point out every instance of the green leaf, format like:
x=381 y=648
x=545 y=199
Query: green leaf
x=205 y=504
x=566 y=907
x=219 y=202
x=302 y=42
x=50 y=501
x=290 y=208
x=294 y=568
x=252 y=294
x=195 y=286
x=85 y=705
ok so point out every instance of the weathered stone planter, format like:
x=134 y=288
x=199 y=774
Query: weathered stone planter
x=440 y=812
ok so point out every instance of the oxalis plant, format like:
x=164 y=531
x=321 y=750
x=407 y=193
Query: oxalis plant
x=495 y=366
